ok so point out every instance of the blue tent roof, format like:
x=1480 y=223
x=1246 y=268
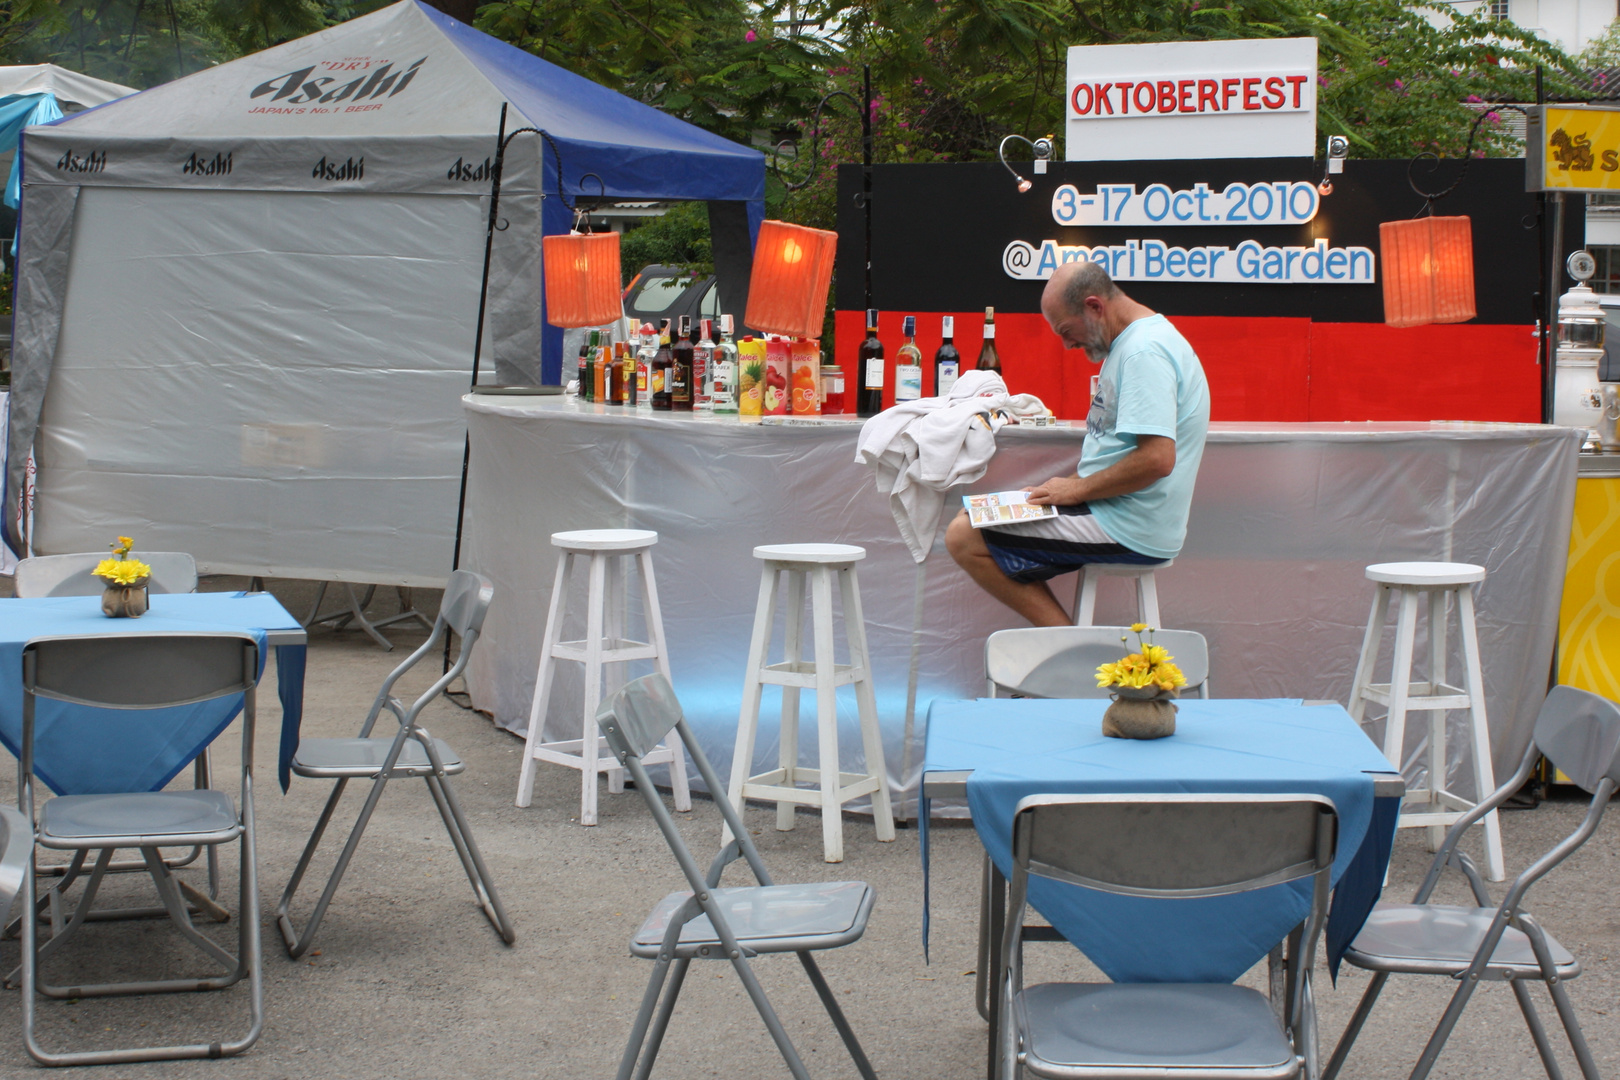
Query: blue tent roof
x=638 y=151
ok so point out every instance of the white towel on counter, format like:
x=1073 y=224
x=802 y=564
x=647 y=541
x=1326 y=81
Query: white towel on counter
x=923 y=448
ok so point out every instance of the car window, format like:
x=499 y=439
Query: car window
x=710 y=308
x=656 y=294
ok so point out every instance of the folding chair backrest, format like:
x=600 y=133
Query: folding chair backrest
x=1062 y=661
x=140 y=671
x=466 y=602
x=69 y=575
x=637 y=718
x=1175 y=845
x=16 y=846
x=1580 y=733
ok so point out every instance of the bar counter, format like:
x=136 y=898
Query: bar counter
x=1285 y=519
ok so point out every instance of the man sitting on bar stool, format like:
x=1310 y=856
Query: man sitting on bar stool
x=1144 y=439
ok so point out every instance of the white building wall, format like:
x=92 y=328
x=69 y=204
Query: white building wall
x=1572 y=24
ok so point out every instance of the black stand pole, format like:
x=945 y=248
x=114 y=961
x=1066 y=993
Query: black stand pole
x=866 y=170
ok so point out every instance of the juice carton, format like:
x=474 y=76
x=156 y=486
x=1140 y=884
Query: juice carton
x=776 y=376
x=750 y=377
x=804 y=375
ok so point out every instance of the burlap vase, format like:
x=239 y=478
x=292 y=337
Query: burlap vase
x=125 y=601
x=1140 y=713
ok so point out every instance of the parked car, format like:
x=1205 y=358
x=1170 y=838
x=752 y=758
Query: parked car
x=668 y=292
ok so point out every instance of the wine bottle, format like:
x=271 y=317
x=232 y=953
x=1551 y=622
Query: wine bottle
x=869 y=361
x=659 y=370
x=989 y=359
x=947 y=361
x=616 y=375
x=908 y=365
x=680 y=367
x=583 y=389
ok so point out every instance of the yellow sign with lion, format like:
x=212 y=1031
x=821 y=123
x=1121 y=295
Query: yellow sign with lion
x=1572 y=148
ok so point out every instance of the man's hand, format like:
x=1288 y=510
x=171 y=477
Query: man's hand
x=1059 y=491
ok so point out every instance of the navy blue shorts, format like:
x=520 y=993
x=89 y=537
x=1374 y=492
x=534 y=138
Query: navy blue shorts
x=1027 y=559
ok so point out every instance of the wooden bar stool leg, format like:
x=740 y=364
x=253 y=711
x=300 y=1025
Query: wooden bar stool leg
x=678 y=781
x=1400 y=680
x=542 y=680
x=829 y=769
x=589 y=743
x=1484 y=773
x=616 y=623
x=866 y=699
x=742 y=759
x=1369 y=652
x=1147 y=600
x=1437 y=717
x=788 y=744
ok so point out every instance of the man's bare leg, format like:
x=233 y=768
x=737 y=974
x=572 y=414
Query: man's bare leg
x=1034 y=601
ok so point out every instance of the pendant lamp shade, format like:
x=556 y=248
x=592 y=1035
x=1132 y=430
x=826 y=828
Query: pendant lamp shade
x=1428 y=268
x=583 y=287
x=787 y=292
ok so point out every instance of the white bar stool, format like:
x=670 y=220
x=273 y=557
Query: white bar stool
x=1147 y=590
x=1404 y=583
x=819 y=564
x=604 y=644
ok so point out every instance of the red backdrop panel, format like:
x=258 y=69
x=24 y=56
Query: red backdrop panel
x=1280 y=369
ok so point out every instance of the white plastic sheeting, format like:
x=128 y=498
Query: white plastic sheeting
x=1284 y=521
x=180 y=411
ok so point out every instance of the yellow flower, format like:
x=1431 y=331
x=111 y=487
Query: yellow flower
x=122 y=571
x=123 y=546
x=1137 y=628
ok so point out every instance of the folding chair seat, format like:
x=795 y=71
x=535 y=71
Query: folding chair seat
x=1165 y=846
x=410 y=751
x=147 y=676
x=1061 y=661
x=1579 y=732
x=715 y=923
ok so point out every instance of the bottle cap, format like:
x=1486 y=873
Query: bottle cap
x=947 y=326
x=686 y=325
x=871 y=318
x=708 y=329
x=989 y=314
x=910 y=327
x=726 y=325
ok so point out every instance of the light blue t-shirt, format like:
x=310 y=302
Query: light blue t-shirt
x=1151 y=384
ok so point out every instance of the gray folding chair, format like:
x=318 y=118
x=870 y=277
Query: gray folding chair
x=714 y=923
x=1167 y=846
x=408 y=752
x=1061 y=661
x=69 y=575
x=143 y=675
x=1580 y=733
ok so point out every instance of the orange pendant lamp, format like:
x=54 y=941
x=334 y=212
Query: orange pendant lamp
x=1428 y=270
x=583 y=287
x=787 y=292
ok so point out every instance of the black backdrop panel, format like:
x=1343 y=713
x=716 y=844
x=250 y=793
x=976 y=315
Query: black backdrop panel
x=938 y=232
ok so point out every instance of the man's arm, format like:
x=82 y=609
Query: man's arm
x=1153 y=458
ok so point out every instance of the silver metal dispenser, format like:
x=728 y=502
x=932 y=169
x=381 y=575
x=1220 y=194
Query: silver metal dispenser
x=1578 y=396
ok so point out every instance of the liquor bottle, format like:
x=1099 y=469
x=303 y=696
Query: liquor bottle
x=947 y=361
x=583 y=387
x=658 y=372
x=680 y=368
x=644 y=359
x=629 y=376
x=723 y=384
x=869 y=365
x=989 y=359
x=908 y=365
x=600 y=353
x=703 y=368
x=616 y=394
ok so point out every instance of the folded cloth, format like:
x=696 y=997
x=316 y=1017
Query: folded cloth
x=921 y=449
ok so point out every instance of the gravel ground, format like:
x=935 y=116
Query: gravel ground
x=410 y=980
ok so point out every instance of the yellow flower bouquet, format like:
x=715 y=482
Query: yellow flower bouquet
x=1142 y=685
x=126 y=578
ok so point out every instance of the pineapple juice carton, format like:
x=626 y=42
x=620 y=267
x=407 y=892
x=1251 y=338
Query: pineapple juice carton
x=804 y=369
x=750 y=377
x=776 y=376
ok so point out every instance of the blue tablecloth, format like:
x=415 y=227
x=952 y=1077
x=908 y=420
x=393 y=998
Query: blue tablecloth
x=82 y=751
x=1021 y=747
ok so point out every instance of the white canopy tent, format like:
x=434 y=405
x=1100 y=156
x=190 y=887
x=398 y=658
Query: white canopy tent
x=247 y=298
x=72 y=90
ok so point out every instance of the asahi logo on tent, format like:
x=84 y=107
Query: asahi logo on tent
x=218 y=165
x=89 y=163
x=330 y=170
x=469 y=173
x=299 y=88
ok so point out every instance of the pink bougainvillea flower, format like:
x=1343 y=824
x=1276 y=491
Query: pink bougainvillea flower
x=750 y=36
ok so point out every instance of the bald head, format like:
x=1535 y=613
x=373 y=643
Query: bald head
x=1072 y=282
x=1086 y=309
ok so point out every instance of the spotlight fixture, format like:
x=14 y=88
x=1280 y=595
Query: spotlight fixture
x=1043 y=154
x=1338 y=148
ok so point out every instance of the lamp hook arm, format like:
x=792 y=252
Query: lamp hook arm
x=1042 y=149
x=556 y=152
x=1430 y=198
x=815 y=142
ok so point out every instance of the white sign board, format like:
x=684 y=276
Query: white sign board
x=1192 y=99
